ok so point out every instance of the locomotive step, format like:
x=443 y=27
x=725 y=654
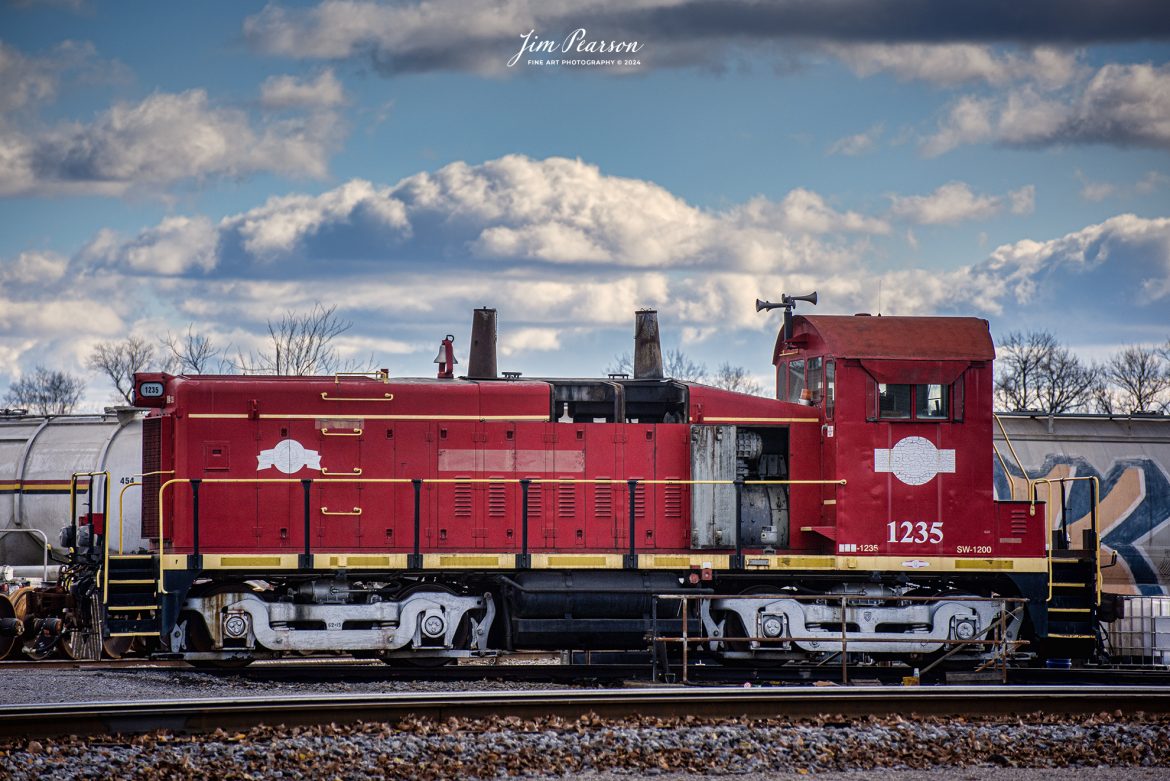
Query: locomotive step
x=126 y=608
x=131 y=598
x=134 y=582
x=119 y=626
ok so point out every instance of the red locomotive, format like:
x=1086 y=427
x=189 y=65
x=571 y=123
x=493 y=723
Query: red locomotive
x=446 y=517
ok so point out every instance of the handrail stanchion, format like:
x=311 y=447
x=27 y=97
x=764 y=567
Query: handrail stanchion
x=524 y=560
x=306 y=486
x=686 y=641
x=844 y=644
x=73 y=517
x=415 y=559
x=738 y=562
x=195 y=484
x=631 y=561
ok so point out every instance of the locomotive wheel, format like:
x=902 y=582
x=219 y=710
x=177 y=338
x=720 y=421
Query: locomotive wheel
x=199 y=638
x=427 y=662
x=78 y=644
x=10 y=646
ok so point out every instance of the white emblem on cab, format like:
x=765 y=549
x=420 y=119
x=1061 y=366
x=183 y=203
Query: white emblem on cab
x=914 y=460
x=289 y=456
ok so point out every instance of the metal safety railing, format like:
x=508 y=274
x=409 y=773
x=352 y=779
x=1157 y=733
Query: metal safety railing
x=1000 y=642
x=415 y=559
x=1094 y=538
x=45 y=547
x=121 y=517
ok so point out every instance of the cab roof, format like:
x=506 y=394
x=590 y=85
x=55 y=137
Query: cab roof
x=896 y=338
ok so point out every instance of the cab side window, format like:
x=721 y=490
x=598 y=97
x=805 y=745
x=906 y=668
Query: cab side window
x=903 y=401
x=893 y=401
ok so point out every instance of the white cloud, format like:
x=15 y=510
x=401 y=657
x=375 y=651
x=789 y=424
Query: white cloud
x=1123 y=105
x=856 y=144
x=175 y=246
x=24 y=80
x=522 y=340
x=1093 y=191
x=952 y=64
x=35 y=268
x=166 y=138
x=955 y=202
x=407 y=261
x=804 y=211
x=283 y=92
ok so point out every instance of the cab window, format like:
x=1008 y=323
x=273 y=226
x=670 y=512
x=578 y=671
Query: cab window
x=893 y=401
x=795 y=380
x=931 y=402
x=903 y=401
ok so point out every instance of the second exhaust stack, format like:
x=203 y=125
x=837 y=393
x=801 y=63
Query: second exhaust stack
x=481 y=363
x=647 y=348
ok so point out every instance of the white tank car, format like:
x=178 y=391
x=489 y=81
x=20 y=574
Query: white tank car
x=39 y=455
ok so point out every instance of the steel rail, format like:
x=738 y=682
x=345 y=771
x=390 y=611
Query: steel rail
x=205 y=715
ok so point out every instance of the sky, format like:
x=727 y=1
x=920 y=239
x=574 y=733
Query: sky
x=214 y=165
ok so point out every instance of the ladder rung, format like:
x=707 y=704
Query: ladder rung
x=1072 y=585
x=113 y=608
x=1072 y=637
x=1069 y=610
x=133 y=634
x=127 y=556
x=150 y=581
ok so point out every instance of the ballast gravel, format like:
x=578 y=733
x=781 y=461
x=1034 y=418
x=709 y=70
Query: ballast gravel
x=1106 y=747
x=27 y=686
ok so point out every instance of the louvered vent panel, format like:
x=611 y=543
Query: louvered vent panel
x=463 y=500
x=672 y=500
x=640 y=501
x=566 y=500
x=497 y=500
x=1019 y=520
x=536 y=500
x=603 y=500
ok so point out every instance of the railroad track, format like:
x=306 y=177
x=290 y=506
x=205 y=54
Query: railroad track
x=206 y=715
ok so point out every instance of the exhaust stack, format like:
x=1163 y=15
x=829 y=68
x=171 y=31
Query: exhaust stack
x=647 y=348
x=481 y=363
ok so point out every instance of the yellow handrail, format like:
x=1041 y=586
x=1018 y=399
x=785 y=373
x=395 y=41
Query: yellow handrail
x=1096 y=499
x=385 y=397
x=378 y=374
x=355 y=511
x=1012 y=450
x=1006 y=473
x=105 y=514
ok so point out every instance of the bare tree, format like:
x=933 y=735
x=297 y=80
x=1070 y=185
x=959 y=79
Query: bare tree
x=46 y=392
x=1034 y=372
x=300 y=344
x=194 y=353
x=1019 y=368
x=1066 y=383
x=736 y=378
x=1138 y=381
x=675 y=364
x=121 y=360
